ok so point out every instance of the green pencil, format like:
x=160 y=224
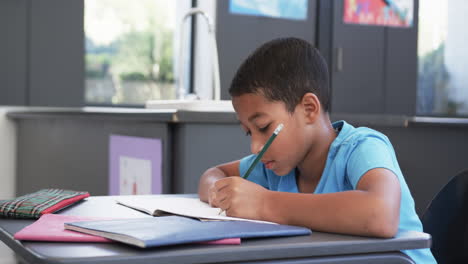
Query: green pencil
x=259 y=156
x=264 y=149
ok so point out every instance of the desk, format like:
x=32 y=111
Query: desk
x=315 y=248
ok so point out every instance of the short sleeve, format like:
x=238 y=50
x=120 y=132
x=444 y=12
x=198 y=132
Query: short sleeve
x=257 y=175
x=369 y=153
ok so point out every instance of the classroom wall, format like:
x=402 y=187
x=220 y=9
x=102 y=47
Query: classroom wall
x=7 y=155
x=70 y=152
x=13 y=46
x=42 y=51
x=7 y=171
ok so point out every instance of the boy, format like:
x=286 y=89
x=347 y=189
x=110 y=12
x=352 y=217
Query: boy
x=327 y=177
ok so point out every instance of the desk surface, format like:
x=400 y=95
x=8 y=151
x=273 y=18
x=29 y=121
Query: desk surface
x=314 y=248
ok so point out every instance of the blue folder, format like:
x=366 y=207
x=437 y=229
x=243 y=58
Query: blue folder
x=172 y=230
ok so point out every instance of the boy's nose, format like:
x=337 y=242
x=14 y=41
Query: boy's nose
x=256 y=146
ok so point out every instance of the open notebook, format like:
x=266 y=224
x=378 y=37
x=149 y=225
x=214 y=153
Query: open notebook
x=191 y=207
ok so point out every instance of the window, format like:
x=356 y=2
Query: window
x=442 y=58
x=131 y=48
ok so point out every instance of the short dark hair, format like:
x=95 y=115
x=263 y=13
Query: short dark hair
x=284 y=70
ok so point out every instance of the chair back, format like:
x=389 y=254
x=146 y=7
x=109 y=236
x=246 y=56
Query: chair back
x=446 y=220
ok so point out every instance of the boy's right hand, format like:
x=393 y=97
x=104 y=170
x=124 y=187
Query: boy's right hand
x=238 y=197
x=212 y=196
x=210 y=176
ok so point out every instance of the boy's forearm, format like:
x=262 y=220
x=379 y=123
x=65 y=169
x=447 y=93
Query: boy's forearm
x=351 y=212
x=206 y=180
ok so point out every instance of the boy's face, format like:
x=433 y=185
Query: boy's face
x=260 y=117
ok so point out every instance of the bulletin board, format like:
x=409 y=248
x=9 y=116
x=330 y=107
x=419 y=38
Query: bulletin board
x=283 y=9
x=394 y=13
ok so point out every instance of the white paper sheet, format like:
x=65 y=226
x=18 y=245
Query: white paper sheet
x=191 y=207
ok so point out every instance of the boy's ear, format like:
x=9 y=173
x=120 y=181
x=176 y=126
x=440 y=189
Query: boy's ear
x=311 y=106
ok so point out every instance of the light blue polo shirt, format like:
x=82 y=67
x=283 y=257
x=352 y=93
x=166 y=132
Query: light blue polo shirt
x=354 y=152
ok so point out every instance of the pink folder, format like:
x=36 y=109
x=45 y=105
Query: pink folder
x=50 y=227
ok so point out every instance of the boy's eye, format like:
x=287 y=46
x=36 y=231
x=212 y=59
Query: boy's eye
x=260 y=129
x=264 y=129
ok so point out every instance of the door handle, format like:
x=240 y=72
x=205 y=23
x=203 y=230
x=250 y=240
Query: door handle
x=339 y=59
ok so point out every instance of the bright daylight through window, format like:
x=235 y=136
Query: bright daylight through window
x=129 y=51
x=442 y=58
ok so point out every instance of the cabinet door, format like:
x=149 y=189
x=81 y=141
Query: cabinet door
x=56 y=53
x=357 y=70
x=401 y=69
x=240 y=35
x=13 y=47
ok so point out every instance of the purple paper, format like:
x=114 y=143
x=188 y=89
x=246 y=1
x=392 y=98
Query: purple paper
x=135 y=165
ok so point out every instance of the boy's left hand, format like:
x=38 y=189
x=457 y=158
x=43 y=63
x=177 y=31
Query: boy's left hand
x=240 y=197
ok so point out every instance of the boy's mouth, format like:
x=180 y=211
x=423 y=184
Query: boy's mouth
x=268 y=164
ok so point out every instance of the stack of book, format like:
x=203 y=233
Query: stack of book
x=176 y=221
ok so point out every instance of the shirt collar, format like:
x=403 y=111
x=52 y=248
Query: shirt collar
x=344 y=130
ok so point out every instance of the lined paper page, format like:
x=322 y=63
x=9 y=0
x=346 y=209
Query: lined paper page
x=191 y=207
